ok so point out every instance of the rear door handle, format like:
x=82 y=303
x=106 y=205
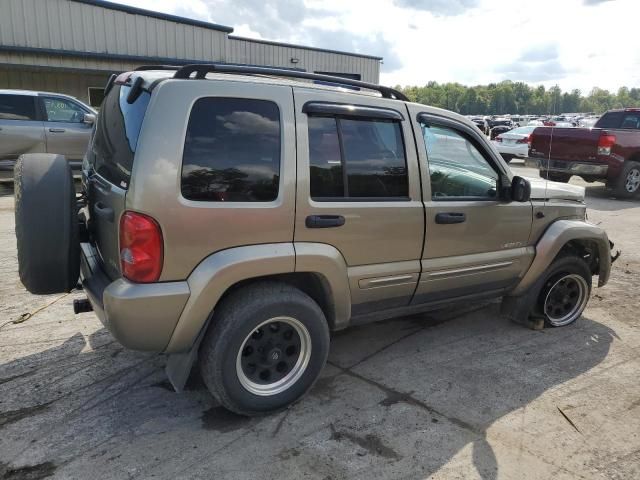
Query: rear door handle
x=103 y=211
x=450 y=217
x=324 y=221
x=57 y=130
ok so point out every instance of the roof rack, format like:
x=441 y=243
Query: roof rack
x=201 y=70
x=157 y=67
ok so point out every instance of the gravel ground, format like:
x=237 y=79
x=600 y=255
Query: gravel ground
x=459 y=393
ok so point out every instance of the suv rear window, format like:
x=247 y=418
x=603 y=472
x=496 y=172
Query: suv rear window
x=232 y=151
x=17 y=107
x=116 y=136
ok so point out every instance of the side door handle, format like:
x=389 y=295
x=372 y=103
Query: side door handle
x=324 y=221
x=103 y=211
x=57 y=130
x=450 y=217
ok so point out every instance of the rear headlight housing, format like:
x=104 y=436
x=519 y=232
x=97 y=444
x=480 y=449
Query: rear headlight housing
x=605 y=143
x=141 y=248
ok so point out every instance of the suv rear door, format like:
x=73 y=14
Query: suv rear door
x=359 y=191
x=476 y=242
x=66 y=132
x=21 y=131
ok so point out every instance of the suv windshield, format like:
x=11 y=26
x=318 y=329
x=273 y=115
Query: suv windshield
x=116 y=135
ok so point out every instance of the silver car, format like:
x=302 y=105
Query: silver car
x=41 y=122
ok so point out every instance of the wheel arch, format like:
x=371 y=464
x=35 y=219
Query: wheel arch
x=569 y=236
x=318 y=270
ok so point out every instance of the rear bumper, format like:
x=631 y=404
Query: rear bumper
x=139 y=316
x=574 y=168
x=517 y=150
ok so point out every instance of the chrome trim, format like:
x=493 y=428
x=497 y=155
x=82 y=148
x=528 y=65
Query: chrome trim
x=478 y=268
x=385 y=281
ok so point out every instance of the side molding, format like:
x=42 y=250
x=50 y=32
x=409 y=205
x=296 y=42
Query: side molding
x=552 y=241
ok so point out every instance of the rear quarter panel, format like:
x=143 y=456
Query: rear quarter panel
x=193 y=230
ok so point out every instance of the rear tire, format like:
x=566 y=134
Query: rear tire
x=46 y=216
x=266 y=346
x=556 y=177
x=627 y=185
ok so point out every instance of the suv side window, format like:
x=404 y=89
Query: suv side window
x=17 y=107
x=456 y=167
x=356 y=158
x=232 y=151
x=61 y=110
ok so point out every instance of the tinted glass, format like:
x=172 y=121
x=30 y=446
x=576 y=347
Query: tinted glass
x=61 y=110
x=374 y=158
x=116 y=135
x=631 y=121
x=610 y=120
x=232 y=151
x=17 y=107
x=326 y=177
x=456 y=167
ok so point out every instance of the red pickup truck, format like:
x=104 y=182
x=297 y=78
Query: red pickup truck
x=610 y=152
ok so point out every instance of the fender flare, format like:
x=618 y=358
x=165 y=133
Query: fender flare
x=554 y=238
x=218 y=272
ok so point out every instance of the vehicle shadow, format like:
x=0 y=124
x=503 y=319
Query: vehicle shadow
x=404 y=395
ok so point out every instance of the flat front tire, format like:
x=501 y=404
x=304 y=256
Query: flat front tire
x=564 y=291
x=265 y=347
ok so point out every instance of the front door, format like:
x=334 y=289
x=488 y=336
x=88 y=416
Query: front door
x=476 y=240
x=67 y=133
x=359 y=192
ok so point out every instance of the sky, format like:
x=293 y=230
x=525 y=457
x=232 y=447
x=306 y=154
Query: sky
x=571 y=43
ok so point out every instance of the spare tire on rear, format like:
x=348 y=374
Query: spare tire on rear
x=46 y=224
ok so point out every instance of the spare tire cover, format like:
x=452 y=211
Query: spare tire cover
x=46 y=224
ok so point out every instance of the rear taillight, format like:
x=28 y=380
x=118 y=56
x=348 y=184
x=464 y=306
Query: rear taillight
x=526 y=140
x=498 y=139
x=605 y=143
x=141 y=249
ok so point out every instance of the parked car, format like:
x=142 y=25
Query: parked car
x=237 y=214
x=514 y=143
x=610 y=151
x=40 y=122
x=481 y=124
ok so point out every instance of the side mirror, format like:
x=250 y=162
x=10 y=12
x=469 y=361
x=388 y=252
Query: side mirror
x=520 y=189
x=89 y=118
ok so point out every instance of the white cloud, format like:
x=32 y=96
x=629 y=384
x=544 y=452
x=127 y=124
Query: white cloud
x=572 y=43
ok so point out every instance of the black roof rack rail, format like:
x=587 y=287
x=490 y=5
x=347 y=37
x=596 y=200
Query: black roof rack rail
x=157 y=67
x=202 y=69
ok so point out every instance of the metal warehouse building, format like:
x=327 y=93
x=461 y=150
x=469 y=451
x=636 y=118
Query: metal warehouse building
x=72 y=46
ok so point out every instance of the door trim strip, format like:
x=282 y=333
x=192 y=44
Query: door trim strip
x=478 y=268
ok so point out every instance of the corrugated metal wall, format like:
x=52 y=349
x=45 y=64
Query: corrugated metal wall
x=69 y=83
x=255 y=52
x=70 y=38
x=67 y=25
